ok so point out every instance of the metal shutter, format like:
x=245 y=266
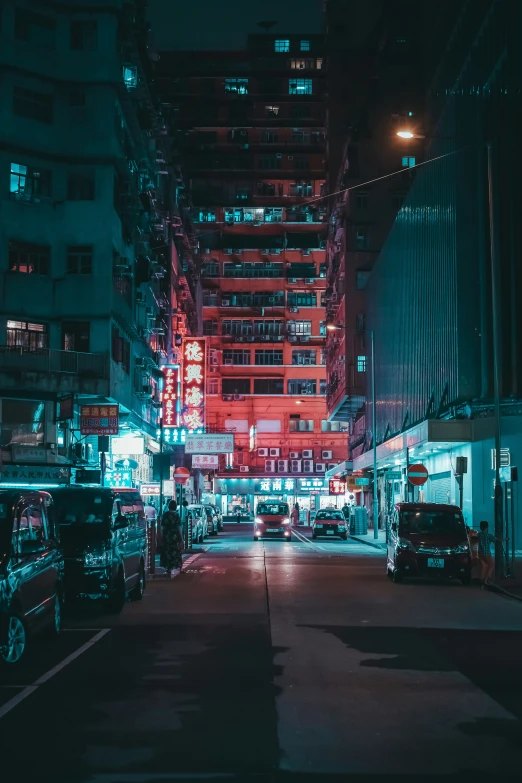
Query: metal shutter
x=440 y=487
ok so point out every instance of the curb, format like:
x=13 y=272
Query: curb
x=375 y=544
x=501 y=591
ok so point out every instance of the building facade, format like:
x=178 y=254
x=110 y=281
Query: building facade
x=252 y=132
x=89 y=215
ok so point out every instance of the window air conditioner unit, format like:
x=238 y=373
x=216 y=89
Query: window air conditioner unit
x=309 y=280
x=214 y=357
x=244 y=469
x=270 y=466
x=279 y=155
x=275 y=452
x=262 y=452
x=228 y=397
x=320 y=467
x=308 y=454
x=295 y=454
x=229 y=361
x=225 y=303
x=292 y=279
x=295 y=466
x=326 y=454
x=306 y=252
x=294 y=309
x=271 y=299
x=292 y=338
x=290 y=157
x=308 y=466
x=227 y=251
x=282 y=466
x=239 y=397
x=332 y=465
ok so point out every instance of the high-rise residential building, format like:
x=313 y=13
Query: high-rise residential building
x=89 y=214
x=252 y=131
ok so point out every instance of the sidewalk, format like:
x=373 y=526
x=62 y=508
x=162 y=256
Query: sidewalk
x=379 y=543
x=511 y=585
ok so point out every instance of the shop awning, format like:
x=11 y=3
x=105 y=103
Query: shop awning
x=340 y=470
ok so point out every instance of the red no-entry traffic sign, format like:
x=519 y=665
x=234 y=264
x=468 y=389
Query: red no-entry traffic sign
x=181 y=475
x=417 y=475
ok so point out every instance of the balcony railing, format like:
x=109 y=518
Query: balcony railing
x=49 y=360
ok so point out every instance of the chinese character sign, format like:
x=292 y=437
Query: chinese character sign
x=209 y=444
x=275 y=486
x=337 y=487
x=170 y=396
x=205 y=461
x=99 y=420
x=193 y=383
x=118 y=478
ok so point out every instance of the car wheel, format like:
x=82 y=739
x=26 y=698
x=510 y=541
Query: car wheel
x=16 y=641
x=116 y=600
x=136 y=594
x=345 y=537
x=396 y=575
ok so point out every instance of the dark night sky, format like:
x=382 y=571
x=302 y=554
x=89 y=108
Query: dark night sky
x=224 y=24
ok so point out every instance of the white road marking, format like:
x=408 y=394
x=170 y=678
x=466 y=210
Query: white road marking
x=301 y=537
x=29 y=689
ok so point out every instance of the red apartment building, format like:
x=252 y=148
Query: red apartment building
x=253 y=138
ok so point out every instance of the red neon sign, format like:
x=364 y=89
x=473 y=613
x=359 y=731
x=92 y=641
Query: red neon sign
x=193 y=382
x=169 y=397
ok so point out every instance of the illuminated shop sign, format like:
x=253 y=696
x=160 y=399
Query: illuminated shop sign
x=99 y=420
x=118 y=478
x=311 y=483
x=175 y=436
x=337 y=487
x=209 y=444
x=170 y=403
x=274 y=485
x=193 y=383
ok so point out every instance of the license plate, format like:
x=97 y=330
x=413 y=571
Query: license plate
x=273 y=530
x=434 y=562
x=329 y=532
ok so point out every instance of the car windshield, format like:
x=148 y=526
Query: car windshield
x=274 y=509
x=329 y=515
x=74 y=508
x=431 y=522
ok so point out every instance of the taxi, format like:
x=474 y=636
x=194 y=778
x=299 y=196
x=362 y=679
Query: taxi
x=272 y=520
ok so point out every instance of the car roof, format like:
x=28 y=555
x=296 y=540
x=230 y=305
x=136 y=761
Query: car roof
x=12 y=494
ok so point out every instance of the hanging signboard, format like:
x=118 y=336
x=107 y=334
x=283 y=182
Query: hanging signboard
x=209 y=444
x=148 y=490
x=210 y=461
x=99 y=420
x=170 y=402
x=35 y=474
x=193 y=382
x=118 y=478
x=337 y=486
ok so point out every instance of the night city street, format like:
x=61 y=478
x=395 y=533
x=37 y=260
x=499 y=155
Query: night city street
x=276 y=660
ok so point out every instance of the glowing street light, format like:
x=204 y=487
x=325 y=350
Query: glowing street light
x=408 y=134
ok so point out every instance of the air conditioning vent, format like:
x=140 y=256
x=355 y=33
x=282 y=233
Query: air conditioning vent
x=214 y=359
x=294 y=309
x=326 y=454
x=270 y=466
x=225 y=303
x=309 y=280
x=295 y=454
x=295 y=466
x=308 y=454
x=308 y=466
x=275 y=452
x=292 y=279
x=228 y=397
x=282 y=466
x=332 y=465
x=262 y=452
x=320 y=467
x=229 y=361
x=239 y=397
x=244 y=469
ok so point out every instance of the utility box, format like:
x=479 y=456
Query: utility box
x=462 y=466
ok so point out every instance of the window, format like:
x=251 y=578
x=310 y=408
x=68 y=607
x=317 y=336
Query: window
x=300 y=87
x=242 y=194
x=302 y=386
x=130 y=76
x=300 y=112
x=269 y=299
x=207 y=215
x=334 y=426
x=362 y=277
x=301 y=162
x=79 y=260
x=37 y=524
x=269 y=357
x=210 y=328
x=212 y=386
x=268 y=328
x=210 y=298
x=322 y=328
x=301 y=299
x=76 y=336
x=29 y=259
x=301 y=425
x=301 y=189
x=210 y=269
x=303 y=357
x=408 y=163
x=271 y=111
x=237 y=86
x=301 y=65
x=300 y=327
x=234 y=215
x=361 y=364
x=270 y=161
x=28 y=183
x=281 y=45
x=319 y=63
x=21 y=533
x=361 y=200
x=120 y=349
x=76 y=98
x=26 y=335
x=273 y=214
x=236 y=327
x=269 y=137
x=236 y=357
x=36 y=28
x=304 y=46
x=32 y=104
x=268 y=386
x=84 y=35
x=235 y=386
x=361 y=238
x=322 y=386
x=80 y=186
x=253 y=214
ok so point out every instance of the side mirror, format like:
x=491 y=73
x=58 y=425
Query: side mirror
x=120 y=522
x=32 y=547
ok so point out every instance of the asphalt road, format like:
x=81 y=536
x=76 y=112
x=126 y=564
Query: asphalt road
x=274 y=661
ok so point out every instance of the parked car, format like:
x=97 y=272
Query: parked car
x=31 y=570
x=428 y=540
x=272 y=520
x=330 y=522
x=200 y=526
x=219 y=516
x=103 y=535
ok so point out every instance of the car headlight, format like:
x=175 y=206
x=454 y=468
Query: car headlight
x=340 y=527
x=462 y=549
x=286 y=521
x=405 y=544
x=258 y=521
x=97 y=559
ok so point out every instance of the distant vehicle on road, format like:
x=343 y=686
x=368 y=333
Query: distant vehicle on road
x=219 y=516
x=201 y=527
x=31 y=570
x=330 y=522
x=272 y=520
x=428 y=540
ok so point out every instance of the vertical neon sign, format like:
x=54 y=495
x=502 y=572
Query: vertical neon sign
x=170 y=398
x=194 y=378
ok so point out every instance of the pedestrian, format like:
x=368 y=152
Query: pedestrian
x=172 y=540
x=294 y=516
x=150 y=509
x=346 y=510
x=485 y=539
x=238 y=515
x=184 y=514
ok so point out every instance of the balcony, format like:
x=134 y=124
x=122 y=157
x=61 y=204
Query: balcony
x=53 y=371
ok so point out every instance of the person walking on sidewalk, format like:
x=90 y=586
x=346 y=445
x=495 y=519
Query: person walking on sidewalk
x=294 y=516
x=485 y=539
x=172 y=540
